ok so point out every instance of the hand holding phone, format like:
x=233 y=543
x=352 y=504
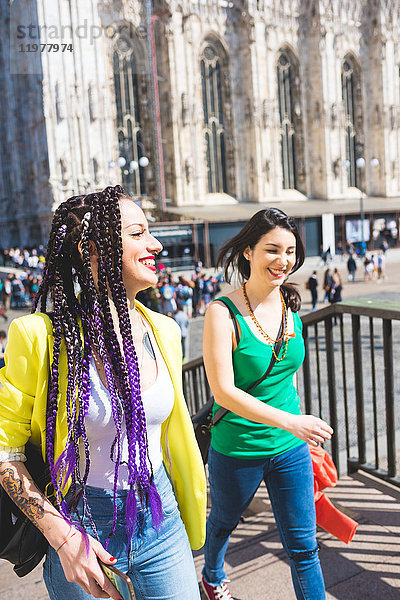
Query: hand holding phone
x=119 y=580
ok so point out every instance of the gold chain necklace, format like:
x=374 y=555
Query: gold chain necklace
x=268 y=338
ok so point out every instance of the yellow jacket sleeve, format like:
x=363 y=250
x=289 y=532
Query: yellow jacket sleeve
x=18 y=381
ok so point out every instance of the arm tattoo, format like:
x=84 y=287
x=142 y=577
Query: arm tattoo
x=33 y=508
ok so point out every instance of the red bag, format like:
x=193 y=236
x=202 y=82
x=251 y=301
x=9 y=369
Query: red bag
x=329 y=517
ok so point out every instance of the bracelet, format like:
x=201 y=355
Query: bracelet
x=11 y=453
x=66 y=540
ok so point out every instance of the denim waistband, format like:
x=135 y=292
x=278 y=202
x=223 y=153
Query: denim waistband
x=160 y=480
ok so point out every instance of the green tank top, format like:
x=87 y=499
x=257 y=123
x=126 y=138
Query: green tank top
x=239 y=437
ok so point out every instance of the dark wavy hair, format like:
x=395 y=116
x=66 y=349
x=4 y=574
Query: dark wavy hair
x=231 y=258
x=78 y=222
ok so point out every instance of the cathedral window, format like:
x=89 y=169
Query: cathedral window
x=285 y=73
x=351 y=94
x=128 y=117
x=216 y=113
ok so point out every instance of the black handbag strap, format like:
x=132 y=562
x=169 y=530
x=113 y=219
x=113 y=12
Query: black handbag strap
x=221 y=412
x=234 y=320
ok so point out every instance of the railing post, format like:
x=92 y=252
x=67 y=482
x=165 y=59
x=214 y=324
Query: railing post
x=197 y=389
x=389 y=396
x=330 y=360
x=356 y=329
x=307 y=373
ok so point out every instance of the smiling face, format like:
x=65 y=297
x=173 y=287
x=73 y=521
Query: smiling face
x=139 y=248
x=273 y=257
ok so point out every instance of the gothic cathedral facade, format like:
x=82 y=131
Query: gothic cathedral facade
x=230 y=101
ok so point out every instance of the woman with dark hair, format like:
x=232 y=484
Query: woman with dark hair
x=264 y=436
x=94 y=380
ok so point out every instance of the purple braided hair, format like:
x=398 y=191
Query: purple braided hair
x=80 y=220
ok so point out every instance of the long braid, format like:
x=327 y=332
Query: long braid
x=134 y=412
x=95 y=333
x=85 y=219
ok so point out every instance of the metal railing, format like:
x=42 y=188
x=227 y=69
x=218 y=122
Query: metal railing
x=195 y=385
x=348 y=379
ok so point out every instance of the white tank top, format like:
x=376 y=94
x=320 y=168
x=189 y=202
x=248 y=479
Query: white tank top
x=158 y=401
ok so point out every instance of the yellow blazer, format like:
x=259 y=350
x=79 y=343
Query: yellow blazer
x=23 y=400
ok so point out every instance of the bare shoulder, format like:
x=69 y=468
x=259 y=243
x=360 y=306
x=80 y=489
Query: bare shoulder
x=218 y=313
x=235 y=297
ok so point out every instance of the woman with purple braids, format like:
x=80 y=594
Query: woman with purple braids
x=94 y=380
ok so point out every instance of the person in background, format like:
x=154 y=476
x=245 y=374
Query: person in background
x=3 y=339
x=351 y=268
x=168 y=298
x=34 y=288
x=336 y=289
x=182 y=319
x=362 y=249
x=184 y=295
x=381 y=265
x=340 y=250
x=208 y=290
x=368 y=268
x=3 y=312
x=384 y=246
x=198 y=282
x=18 y=293
x=322 y=255
x=374 y=263
x=327 y=284
x=337 y=284
x=7 y=292
x=313 y=287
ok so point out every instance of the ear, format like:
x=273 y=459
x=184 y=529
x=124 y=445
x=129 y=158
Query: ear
x=247 y=253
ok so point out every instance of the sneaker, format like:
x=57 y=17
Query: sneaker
x=219 y=592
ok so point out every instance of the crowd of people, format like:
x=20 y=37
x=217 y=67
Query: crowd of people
x=18 y=289
x=371 y=263
x=182 y=298
x=374 y=267
x=32 y=259
x=193 y=293
x=332 y=287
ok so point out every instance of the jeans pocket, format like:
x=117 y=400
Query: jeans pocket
x=100 y=504
x=103 y=521
x=168 y=500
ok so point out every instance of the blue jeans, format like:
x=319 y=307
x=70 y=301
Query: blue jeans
x=290 y=483
x=159 y=563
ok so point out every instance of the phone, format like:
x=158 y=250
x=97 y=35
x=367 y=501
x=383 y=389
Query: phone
x=120 y=581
